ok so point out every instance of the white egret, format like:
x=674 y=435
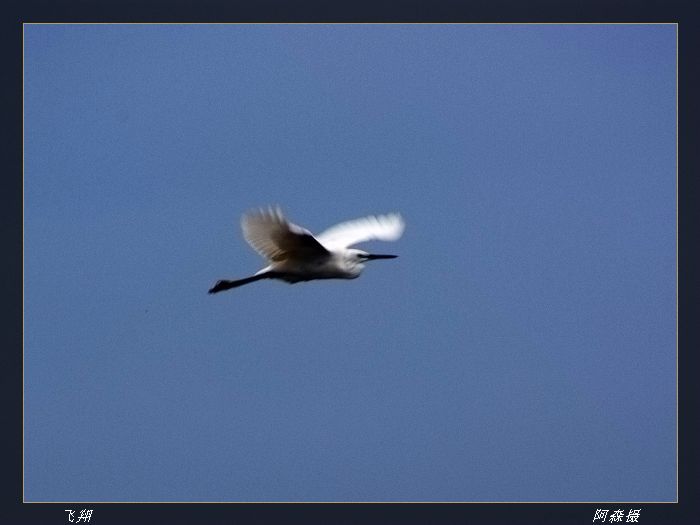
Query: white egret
x=294 y=254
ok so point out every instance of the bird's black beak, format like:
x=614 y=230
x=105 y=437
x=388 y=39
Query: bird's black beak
x=371 y=256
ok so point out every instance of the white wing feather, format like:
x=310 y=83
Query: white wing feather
x=382 y=228
x=277 y=239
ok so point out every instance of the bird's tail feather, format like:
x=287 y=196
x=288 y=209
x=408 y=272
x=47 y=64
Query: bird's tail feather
x=224 y=284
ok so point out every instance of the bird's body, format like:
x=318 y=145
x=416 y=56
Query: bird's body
x=295 y=255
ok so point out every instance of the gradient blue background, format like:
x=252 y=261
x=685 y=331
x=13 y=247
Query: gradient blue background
x=522 y=348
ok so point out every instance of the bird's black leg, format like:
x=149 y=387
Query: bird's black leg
x=224 y=284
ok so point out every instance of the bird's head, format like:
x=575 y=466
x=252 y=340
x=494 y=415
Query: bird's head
x=356 y=258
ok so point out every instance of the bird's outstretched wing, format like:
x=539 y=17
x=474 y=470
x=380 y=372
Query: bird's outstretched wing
x=277 y=239
x=382 y=228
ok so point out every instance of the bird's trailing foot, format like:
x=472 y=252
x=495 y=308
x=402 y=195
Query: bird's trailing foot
x=224 y=284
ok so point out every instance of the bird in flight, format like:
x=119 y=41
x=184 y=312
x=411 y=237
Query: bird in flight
x=294 y=254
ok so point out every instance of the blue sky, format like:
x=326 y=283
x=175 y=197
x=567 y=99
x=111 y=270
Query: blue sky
x=521 y=348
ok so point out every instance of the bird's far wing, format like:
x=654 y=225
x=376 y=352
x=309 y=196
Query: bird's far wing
x=277 y=239
x=382 y=228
